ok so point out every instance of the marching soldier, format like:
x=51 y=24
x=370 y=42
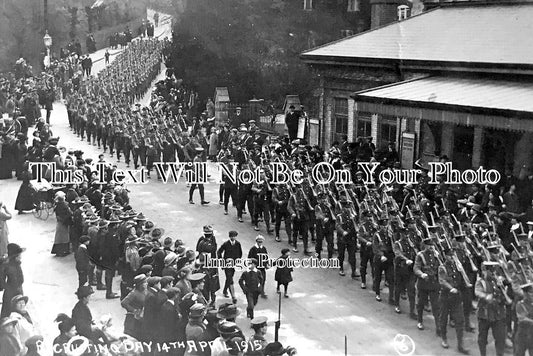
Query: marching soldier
x=365 y=240
x=346 y=236
x=524 y=334
x=463 y=255
x=383 y=259
x=325 y=225
x=404 y=278
x=280 y=199
x=426 y=269
x=300 y=209
x=491 y=308
x=451 y=301
x=262 y=195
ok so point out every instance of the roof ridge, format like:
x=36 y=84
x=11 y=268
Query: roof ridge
x=369 y=31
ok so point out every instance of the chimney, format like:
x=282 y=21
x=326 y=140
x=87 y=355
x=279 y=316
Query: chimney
x=403 y=12
x=383 y=12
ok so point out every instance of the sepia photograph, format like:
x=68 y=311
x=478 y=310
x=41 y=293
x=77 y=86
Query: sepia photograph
x=266 y=177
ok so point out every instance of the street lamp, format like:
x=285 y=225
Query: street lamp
x=47 y=39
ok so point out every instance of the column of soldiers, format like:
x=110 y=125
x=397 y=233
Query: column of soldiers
x=437 y=258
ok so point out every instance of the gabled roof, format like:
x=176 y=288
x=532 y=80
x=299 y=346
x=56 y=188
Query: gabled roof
x=495 y=34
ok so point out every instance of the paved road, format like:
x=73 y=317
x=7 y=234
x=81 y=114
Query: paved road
x=323 y=307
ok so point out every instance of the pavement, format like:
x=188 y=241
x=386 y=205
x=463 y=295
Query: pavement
x=326 y=314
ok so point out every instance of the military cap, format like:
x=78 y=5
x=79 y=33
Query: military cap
x=199 y=149
x=167 y=242
x=259 y=321
x=152 y=281
x=140 y=217
x=146 y=269
x=459 y=237
x=113 y=219
x=228 y=311
x=493 y=245
x=522 y=236
x=103 y=223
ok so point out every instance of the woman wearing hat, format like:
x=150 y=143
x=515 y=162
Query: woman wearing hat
x=134 y=303
x=9 y=344
x=24 y=328
x=61 y=246
x=67 y=330
x=24 y=200
x=11 y=277
x=83 y=319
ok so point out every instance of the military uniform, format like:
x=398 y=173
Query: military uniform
x=427 y=263
x=325 y=225
x=451 y=302
x=404 y=277
x=300 y=211
x=346 y=238
x=491 y=315
x=523 y=340
x=382 y=248
x=280 y=199
x=366 y=253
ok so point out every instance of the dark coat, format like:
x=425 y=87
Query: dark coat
x=82 y=258
x=82 y=317
x=11 y=280
x=283 y=274
x=152 y=309
x=168 y=322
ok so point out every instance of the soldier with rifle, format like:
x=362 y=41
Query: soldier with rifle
x=280 y=199
x=325 y=225
x=383 y=258
x=453 y=284
x=365 y=237
x=346 y=235
x=404 y=278
x=300 y=209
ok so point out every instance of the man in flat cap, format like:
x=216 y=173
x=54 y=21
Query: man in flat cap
x=257 y=342
x=251 y=281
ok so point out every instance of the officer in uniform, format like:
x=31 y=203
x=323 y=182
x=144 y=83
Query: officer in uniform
x=207 y=245
x=491 y=309
x=383 y=259
x=451 y=302
x=257 y=342
x=280 y=199
x=300 y=210
x=346 y=235
x=262 y=195
x=426 y=269
x=325 y=224
x=404 y=277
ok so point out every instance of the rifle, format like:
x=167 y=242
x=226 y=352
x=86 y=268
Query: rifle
x=460 y=268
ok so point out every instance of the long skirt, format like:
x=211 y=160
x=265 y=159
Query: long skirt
x=62 y=240
x=25 y=197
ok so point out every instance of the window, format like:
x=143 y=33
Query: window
x=308 y=4
x=353 y=5
x=364 y=128
x=387 y=134
x=341 y=118
x=346 y=33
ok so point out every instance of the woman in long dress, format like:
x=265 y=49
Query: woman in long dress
x=61 y=246
x=25 y=195
x=5 y=215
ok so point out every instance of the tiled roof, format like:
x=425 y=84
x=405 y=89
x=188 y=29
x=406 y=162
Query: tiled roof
x=501 y=34
x=473 y=93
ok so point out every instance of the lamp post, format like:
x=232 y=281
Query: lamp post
x=47 y=39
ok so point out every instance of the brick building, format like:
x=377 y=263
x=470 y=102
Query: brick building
x=455 y=80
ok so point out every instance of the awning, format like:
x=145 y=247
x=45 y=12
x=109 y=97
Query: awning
x=499 y=104
x=97 y=3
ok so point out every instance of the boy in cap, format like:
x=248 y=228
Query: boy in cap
x=230 y=250
x=82 y=260
x=251 y=282
x=259 y=253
